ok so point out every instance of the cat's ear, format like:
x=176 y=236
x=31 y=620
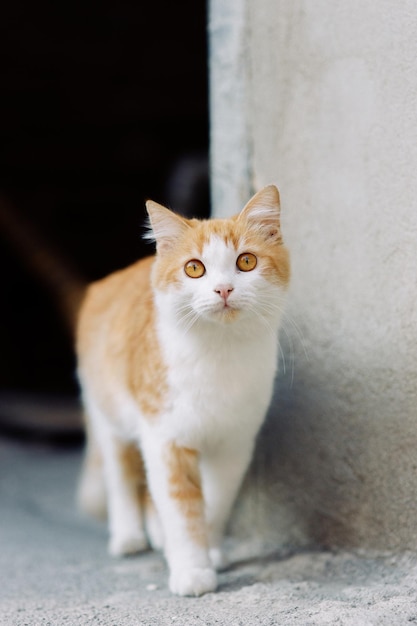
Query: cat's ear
x=165 y=226
x=263 y=212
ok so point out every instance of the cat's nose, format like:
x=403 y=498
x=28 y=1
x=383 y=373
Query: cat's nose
x=224 y=291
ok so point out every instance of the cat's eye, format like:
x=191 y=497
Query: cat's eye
x=194 y=269
x=246 y=262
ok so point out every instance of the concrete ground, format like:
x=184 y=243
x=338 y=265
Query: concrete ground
x=54 y=568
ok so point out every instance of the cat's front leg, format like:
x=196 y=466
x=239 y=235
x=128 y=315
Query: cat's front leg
x=174 y=481
x=222 y=474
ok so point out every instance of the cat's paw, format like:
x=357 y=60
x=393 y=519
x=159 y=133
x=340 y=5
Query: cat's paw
x=193 y=581
x=218 y=559
x=125 y=545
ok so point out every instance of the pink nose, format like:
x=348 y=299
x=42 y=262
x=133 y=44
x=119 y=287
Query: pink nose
x=224 y=291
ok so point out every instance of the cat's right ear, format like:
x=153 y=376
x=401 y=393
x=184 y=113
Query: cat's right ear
x=165 y=226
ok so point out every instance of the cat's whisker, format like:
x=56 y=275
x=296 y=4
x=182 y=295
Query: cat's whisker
x=273 y=308
x=290 y=339
x=257 y=310
x=281 y=351
x=186 y=318
x=264 y=310
x=291 y=353
x=297 y=332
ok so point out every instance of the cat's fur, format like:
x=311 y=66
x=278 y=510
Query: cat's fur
x=179 y=372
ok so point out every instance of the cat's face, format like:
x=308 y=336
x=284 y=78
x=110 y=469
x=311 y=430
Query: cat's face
x=222 y=270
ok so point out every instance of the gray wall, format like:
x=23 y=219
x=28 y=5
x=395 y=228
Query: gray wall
x=321 y=99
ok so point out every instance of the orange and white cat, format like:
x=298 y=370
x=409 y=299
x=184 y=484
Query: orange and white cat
x=177 y=359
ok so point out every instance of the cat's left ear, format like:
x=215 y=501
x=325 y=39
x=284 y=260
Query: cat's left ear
x=263 y=212
x=166 y=226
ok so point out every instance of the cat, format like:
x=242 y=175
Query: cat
x=177 y=356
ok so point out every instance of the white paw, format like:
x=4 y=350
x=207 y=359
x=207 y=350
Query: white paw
x=193 y=581
x=217 y=558
x=124 y=545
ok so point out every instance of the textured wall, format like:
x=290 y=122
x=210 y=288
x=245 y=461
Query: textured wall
x=229 y=106
x=329 y=112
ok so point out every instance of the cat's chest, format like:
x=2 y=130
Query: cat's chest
x=216 y=383
x=215 y=357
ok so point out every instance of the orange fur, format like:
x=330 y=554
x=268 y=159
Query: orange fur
x=133 y=467
x=185 y=489
x=274 y=259
x=134 y=470
x=116 y=336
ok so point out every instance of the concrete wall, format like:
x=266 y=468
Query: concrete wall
x=321 y=98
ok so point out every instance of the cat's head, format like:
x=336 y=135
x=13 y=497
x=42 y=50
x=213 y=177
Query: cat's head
x=222 y=270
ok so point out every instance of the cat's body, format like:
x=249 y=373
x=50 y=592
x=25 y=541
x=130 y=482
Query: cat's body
x=177 y=358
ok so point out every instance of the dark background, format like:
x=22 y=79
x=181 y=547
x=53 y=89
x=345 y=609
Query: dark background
x=102 y=105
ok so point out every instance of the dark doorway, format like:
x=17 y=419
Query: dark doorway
x=102 y=105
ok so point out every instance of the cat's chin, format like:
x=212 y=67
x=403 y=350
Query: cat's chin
x=225 y=315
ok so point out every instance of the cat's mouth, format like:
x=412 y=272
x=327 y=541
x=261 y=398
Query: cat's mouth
x=226 y=312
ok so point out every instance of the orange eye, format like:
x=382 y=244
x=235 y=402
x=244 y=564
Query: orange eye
x=246 y=262
x=194 y=269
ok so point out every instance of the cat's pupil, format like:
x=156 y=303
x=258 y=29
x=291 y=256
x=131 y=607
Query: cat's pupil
x=246 y=261
x=194 y=269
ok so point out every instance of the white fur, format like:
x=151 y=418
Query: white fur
x=125 y=519
x=220 y=380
